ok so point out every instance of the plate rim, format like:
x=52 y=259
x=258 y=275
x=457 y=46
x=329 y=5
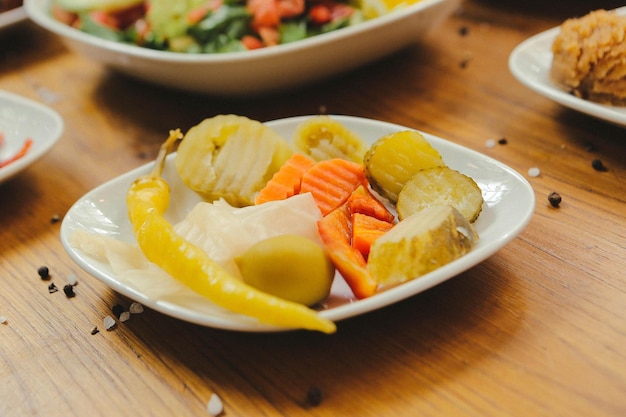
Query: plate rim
x=41 y=146
x=338 y=313
x=12 y=17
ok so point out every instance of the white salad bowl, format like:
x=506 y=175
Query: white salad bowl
x=260 y=71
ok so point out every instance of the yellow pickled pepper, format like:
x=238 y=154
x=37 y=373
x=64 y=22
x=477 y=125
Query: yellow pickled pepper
x=148 y=200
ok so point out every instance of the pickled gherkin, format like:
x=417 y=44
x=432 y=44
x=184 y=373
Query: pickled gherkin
x=230 y=157
x=393 y=159
x=322 y=137
x=440 y=186
x=429 y=238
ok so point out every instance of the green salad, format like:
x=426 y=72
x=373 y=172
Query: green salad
x=213 y=26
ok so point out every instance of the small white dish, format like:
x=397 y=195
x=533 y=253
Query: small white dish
x=20 y=119
x=509 y=205
x=530 y=64
x=11 y=17
x=261 y=71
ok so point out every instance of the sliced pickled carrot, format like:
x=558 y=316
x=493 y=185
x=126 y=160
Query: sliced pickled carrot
x=335 y=232
x=331 y=182
x=365 y=230
x=286 y=181
x=363 y=201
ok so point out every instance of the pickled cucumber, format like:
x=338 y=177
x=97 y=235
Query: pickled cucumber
x=393 y=159
x=230 y=157
x=438 y=186
x=419 y=244
x=322 y=137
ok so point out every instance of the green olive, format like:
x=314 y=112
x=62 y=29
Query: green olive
x=291 y=267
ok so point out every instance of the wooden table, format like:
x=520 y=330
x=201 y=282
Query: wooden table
x=538 y=329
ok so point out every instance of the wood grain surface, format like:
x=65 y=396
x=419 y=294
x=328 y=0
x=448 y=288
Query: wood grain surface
x=538 y=329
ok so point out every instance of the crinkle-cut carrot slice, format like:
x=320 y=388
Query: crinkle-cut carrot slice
x=365 y=230
x=335 y=232
x=286 y=181
x=332 y=181
x=363 y=201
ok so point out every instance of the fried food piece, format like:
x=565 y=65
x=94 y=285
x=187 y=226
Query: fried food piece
x=590 y=57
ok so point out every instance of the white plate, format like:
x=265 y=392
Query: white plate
x=259 y=71
x=530 y=63
x=509 y=206
x=21 y=118
x=12 y=17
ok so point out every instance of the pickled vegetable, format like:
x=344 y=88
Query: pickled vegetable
x=365 y=230
x=440 y=186
x=286 y=182
x=393 y=159
x=335 y=232
x=322 y=137
x=419 y=244
x=148 y=200
x=290 y=267
x=230 y=157
x=224 y=232
x=331 y=182
x=363 y=201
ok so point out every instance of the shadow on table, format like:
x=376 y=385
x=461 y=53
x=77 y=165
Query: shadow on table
x=425 y=340
x=361 y=92
x=18 y=42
